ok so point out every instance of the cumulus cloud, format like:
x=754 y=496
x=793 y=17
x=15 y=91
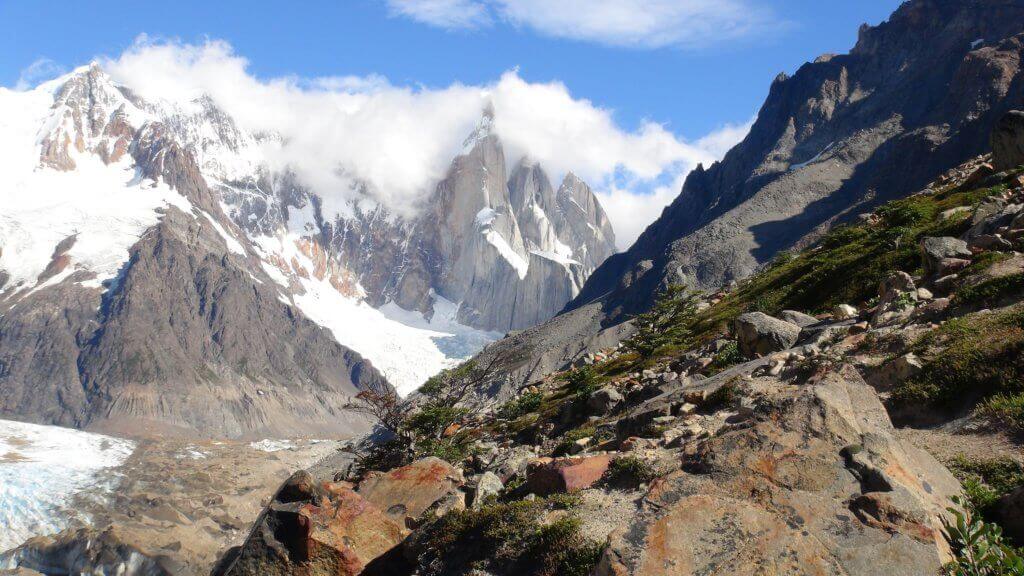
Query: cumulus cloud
x=396 y=142
x=633 y=23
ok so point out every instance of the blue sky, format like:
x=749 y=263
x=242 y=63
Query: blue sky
x=692 y=66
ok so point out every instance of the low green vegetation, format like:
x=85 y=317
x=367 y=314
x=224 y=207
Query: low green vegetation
x=985 y=481
x=1006 y=409
x=969 y=358
x=978 y=547
x=629 y=471
x=845 y=267
x=727 y=357
x=541 y=537
x=525 y=404
x=992 y=291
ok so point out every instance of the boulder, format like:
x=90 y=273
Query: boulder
x=406 y=493
x=1011 y=512
x=604 y=401
x=798 y=318
x=512 y=462
x=817 y=482
x=330 y=530
x=935 y=250
x=891 y=373
x=897 y=295
x=1008 y=141
x=759 y=334
x=546 y=476
x=488 y=485
x=844 y=312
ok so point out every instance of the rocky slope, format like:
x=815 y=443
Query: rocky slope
x=749 y=430
x=916 y=95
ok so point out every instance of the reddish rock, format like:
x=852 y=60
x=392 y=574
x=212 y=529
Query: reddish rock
x=315 y=530
x=406 y=493
x=553 y=475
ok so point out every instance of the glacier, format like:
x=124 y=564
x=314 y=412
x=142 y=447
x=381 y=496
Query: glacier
x=42 y=468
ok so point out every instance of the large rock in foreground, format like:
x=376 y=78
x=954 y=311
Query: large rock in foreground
x=815 y=483
x=314 y=530
x=406 y=493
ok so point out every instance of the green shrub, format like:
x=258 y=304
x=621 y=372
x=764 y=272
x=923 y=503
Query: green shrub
x=728 y=356
x=524 y=404
x=582 y=381
x=569 y=438
x=509 y=538
x=724 y=397
x=978 y=547
x=667 y=323
x=629 y=471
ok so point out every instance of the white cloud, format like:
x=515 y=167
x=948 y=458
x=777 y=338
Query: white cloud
x=399 y=141
x=449 y=14
x=40 y=69
x=632 y=23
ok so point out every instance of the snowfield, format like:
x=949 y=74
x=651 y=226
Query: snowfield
x=105 y=208
x=41 y=468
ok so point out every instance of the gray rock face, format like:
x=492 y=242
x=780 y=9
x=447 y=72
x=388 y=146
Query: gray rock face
x=1008 y=141
x=935 y=250
x=759 y=334
x=840 y=136
x=86 y=551
x=507 y=247
x=798 y=318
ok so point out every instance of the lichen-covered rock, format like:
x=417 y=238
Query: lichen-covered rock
x=759 y=334
x=816 y=483
x=406 y=493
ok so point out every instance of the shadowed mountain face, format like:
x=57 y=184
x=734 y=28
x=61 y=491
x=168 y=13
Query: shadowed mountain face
x=917 y=94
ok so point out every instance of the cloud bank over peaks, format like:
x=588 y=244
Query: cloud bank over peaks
x=346 y=136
